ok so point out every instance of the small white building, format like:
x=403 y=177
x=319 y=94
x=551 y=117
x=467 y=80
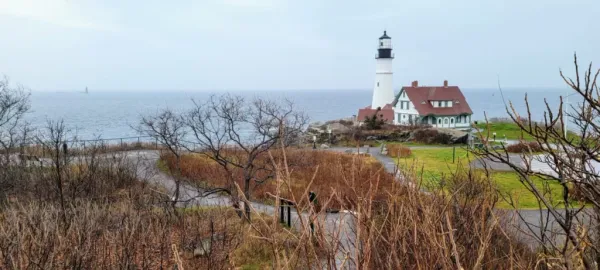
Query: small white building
x=439 y=106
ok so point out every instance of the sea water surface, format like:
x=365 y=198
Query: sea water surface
x=109 y=114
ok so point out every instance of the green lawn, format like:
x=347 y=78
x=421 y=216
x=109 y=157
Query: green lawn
x=432 y=164
x=511 y=130
x=410 y=144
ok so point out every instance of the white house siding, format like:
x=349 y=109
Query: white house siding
x=450 y=121
x=402 y=116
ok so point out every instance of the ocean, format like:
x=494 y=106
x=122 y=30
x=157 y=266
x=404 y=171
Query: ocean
x=112 y=114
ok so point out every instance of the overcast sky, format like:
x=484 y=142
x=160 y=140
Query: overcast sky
x=276 y=44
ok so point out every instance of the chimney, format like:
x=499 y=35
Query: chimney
x=415 y=84
x=445 y=83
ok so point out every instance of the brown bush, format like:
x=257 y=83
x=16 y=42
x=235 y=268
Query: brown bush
x=431 y=136
x=524 y=147
x=398 y=150
x=330 y=173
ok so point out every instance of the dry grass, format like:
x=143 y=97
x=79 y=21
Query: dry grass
x=524 y=147
x=399 y=227
x=398 y=151
x=114 y=221
x=330 y=173
x=85 y=149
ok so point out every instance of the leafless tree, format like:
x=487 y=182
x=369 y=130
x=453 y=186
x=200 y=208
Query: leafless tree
x=54 y=137
x=573 y=160
x=169 y=129
x=14 y=104
x=14 y=132
x=235 y=133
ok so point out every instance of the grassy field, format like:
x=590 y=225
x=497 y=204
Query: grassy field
x=511 y=130
x=433 y=164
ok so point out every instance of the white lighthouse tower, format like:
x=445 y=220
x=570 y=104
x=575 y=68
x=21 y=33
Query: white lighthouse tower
x=383 y=92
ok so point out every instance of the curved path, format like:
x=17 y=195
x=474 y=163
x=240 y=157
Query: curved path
x=337 y=226
x=524 y=224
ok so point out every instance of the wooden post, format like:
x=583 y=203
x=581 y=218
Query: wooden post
x=289 y=221
x=453 y=153
x=281 y=219
x=312 y=197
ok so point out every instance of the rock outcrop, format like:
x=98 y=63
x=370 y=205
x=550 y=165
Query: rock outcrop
x=332 y=132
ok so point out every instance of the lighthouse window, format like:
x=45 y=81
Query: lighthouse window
x=377 y=84
x=381 y=43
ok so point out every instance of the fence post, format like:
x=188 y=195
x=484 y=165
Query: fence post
x=121 y=142
x=453 y=153
x=289 y=221
x=281 y=219
x=65 y=151
x=312 y=197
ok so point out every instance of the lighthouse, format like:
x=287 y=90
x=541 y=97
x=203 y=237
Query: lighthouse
x=383 y=92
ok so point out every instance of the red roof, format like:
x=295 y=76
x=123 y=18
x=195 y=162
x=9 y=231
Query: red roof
x=420 y=96
x=387 y=113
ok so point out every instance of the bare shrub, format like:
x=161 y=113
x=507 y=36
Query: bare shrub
x=567 y=232
x=524 y=147
x=401 y=227
x=431 y=136
x=398 y=150
x=329 y=173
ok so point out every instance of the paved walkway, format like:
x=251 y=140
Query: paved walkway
x=521 y=222
x=337 y=226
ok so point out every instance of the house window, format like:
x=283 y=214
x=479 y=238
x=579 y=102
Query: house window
x=404 y=116
x=403 y=94
x=439 y=104
x=458 y=120
x=452 y=120
x=446 y=103
x=445 y=120
x=408 y=105
x=439 y=121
